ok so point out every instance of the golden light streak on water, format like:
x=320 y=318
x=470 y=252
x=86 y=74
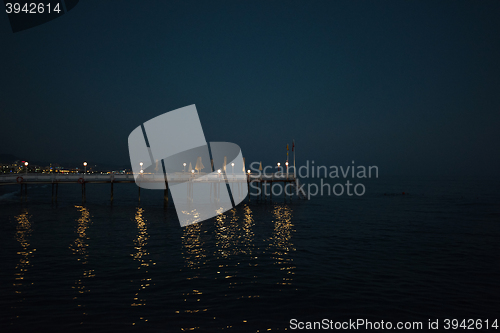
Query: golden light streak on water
x=193 y=251
x=141 y=255
x=281 y=242
x=80 y=249
x=234 y=237
x=195 y=257
x=23 y=233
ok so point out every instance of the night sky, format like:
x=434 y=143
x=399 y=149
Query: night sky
x=410 y=86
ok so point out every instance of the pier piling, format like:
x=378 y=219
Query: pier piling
x=265 y=183
x=165 y=195
x=249 y=193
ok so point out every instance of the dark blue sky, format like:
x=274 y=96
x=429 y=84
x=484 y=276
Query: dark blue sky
x=410 y=86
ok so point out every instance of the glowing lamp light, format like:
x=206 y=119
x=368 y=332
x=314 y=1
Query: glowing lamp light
x=192 y=171
x=232 y=164
x=184 y=164
x=279 y=163
x=141 y=164
x=219 y=171
x=286 y=163
x=142 y=171
x=25 y=163
x=248 y=171
x=84 y=163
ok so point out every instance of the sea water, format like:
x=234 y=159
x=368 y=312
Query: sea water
x=432 y=253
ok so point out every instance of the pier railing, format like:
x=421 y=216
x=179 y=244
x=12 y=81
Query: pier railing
x=130 y=178
x=179 y=177
x=63 y=178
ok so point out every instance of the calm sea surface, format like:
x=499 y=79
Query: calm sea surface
x=434 y=253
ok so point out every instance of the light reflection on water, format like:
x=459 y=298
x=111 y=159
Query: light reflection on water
x=281 y=242
x=195 y=257
x=226 y=260
x=80 y=249
x=252 y=268
x=233 y=234
x=227 y=251
x=23 y=234
x=141 y=255
x=194 y=253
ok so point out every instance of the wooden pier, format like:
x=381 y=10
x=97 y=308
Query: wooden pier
x=261 y=181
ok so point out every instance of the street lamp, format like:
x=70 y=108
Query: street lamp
x=85 y=165
x=279 y=169
x=184 y=170
x=141 y=164
x=26 y=165
x=286 y=163
x=232 y=167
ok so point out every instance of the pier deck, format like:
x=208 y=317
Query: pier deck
x=181 y=177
